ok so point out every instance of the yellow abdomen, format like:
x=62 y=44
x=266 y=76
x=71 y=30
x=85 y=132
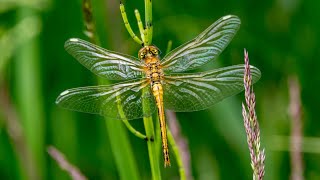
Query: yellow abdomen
x=158 y=94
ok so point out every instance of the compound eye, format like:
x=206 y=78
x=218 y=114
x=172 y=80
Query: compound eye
x=142 y=55
x=154 y=51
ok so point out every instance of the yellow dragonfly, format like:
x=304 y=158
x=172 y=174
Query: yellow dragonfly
x=160 y=83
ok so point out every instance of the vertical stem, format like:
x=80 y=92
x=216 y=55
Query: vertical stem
x=148 y=19
x=148 y=123
x=152 y=148
x=29 y=97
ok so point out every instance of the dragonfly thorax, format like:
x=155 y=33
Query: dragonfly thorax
x=152 y=67
x=153 y=70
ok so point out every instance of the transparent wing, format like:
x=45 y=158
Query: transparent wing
x=112 y=101
x=102 y=62
x=205 y=47
x=194 y=92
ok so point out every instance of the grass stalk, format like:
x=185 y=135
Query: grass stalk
x=152 y=144
x=148 y=123
x=148 y=23
x=29 y=97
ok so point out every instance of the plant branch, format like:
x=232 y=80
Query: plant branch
x=127 y=25
x=140 y=24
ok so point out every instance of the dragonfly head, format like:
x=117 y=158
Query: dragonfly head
x=148 y=52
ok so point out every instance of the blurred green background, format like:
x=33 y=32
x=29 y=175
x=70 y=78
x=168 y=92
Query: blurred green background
x=282 y=37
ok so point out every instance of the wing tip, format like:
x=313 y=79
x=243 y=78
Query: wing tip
x=64 y=92
x=71 y=41
x=58 y=100
x=74 y=39
x=227 y=16
x=231 y=16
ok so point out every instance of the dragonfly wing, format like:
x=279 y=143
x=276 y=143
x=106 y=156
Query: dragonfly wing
x=205 y=47
x=118 y=101
x=198 y=91
x=102 y=62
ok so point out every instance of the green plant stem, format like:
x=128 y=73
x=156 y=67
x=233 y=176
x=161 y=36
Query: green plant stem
x=29 y=98
x=125 y=121
x=148 y=123
x=140 y=24
x=152 y=148
x=175 y=150
x=154 y=159
x=127 y=25
x=134 y=131
x=148 y=19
